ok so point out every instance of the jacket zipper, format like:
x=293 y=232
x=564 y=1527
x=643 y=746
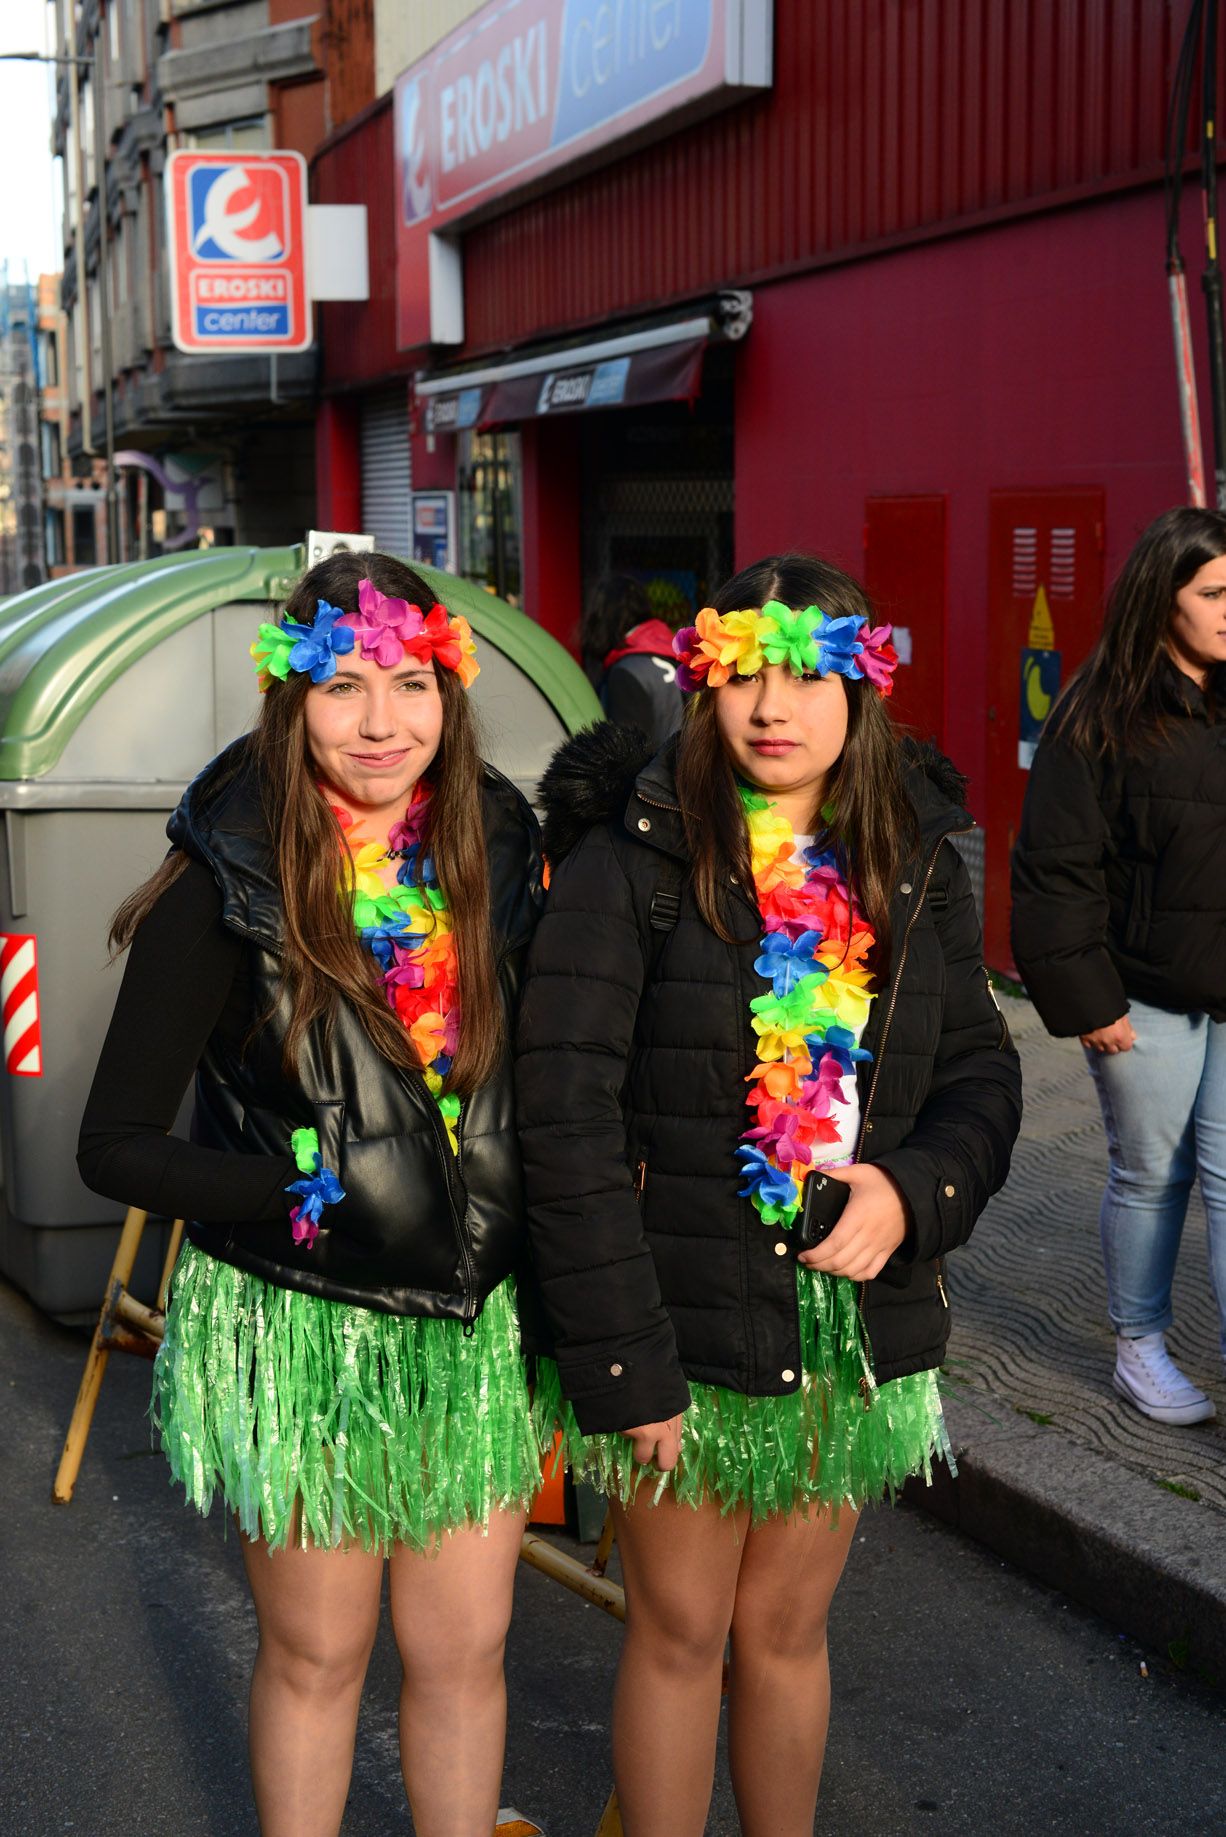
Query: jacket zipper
x=879 y=1054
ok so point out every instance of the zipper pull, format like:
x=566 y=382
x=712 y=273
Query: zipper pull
x=941 y=1290
x=640 y=1178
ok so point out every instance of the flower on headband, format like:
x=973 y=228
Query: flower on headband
x=307 y=649
x=838 y=646
x=447 y=639
x=878 y=659
x=383 y=625
x=790 y=637
x=715 y=647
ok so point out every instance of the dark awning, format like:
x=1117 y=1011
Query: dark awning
x=663 y=364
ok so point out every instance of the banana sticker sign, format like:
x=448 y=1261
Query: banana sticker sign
x=237 y=240
x=1040 y=679
x=526 y=89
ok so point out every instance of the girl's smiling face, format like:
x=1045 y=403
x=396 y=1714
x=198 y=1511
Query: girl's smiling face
x=784 y=735
x=372 y=732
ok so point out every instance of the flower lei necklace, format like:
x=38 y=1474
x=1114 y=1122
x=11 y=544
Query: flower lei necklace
x=809 y=1022
x=407 y=930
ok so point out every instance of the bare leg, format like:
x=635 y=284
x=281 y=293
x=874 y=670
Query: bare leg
x=317 y=1612
x=680 y=1566
x=450 y=1612
x=779 y=1680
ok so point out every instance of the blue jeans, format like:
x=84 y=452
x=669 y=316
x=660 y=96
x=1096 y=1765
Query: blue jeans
x=1164 y=1109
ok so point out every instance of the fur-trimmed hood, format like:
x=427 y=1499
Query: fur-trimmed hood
x=595 y=775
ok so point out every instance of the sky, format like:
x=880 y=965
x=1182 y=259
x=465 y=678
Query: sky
x=30 y=229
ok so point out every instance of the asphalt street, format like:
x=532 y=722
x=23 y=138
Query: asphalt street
x=968 y=1699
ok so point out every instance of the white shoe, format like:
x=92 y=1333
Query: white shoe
x=1147 y=1375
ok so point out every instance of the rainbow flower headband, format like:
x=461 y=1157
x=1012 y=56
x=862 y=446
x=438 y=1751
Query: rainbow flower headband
x=384 y=629
x=718 y=646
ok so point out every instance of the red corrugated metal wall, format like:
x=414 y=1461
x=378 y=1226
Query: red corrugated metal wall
x=888 y=119
x=358 y=167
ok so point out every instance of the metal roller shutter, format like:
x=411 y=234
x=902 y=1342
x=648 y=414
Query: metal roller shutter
x=385 y=471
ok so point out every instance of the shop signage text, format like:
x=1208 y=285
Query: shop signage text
x=526 y=88
x=237 y=240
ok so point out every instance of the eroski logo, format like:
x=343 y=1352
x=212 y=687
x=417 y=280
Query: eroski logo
x=411 y=104
x=239 y=213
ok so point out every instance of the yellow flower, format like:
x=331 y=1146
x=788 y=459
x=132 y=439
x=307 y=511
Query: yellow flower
x=366 y=875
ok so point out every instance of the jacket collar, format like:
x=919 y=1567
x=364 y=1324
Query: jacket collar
x=220 y=821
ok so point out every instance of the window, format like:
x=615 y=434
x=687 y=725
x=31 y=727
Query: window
x=84 y=537
x=488 y=482
x=51 y=450
x=53 y=533
x=250 y=134
x=51 y=360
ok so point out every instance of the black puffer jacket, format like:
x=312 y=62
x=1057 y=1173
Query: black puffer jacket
x=1119 y=874
x=417 y=1231
x=634 y=1046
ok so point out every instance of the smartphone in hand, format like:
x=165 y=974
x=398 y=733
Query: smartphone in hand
x=821 y=1209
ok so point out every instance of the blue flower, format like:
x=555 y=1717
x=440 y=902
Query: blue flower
x=838 y=647
x=763 y=1180
x=318 y=645
x=320 y=1190
x=381 y=940
x=787 y=961
x=840 y=1042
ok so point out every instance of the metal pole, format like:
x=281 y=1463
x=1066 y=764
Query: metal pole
x=104 y=304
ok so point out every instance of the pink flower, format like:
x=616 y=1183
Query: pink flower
x=878 y=659
x=383 y=625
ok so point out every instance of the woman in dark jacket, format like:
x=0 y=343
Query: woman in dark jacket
x=1119 y=924
x=331 y=949
x=723 y=1003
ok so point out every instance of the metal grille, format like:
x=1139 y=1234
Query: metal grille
x=386 y=473
x=1025 y=563
x=658 y=497
x=1062 y=575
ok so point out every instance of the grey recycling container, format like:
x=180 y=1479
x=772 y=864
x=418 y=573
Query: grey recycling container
x=116 y=685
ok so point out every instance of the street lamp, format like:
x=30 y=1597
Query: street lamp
x=94 y=64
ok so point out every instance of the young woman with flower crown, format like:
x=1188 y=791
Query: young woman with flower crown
x=331 y=949
x=759 y=959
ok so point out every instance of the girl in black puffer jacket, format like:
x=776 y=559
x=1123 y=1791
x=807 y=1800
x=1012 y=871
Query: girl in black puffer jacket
x=722 y=1003
x=1119 y=925
x=331 y=950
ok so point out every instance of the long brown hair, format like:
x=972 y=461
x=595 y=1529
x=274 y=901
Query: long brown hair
x=323 y=960
x=1114 y=703
x=873 y=826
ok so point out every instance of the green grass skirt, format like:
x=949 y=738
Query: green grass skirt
x=321 y=1423
x=840 y=1438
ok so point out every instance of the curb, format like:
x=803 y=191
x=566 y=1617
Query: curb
x=1146 y=1560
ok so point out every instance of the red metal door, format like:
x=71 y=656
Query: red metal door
x=906 y=568
x=1045 y=591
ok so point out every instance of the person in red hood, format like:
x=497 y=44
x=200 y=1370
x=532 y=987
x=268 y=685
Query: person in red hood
x=628 y=656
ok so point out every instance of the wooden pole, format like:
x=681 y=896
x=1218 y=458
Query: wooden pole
x=95 y=1364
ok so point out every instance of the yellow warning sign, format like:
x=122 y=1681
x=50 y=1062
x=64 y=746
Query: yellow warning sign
x=1042 y=633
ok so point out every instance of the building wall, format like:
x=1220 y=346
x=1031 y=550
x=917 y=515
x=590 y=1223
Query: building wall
x=1037 y=355
x=406 y=29
x=888 y=120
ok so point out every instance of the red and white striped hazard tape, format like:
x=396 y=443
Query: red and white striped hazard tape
x=23 y=1039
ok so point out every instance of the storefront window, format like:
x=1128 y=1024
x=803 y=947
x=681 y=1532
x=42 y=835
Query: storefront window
x=488 y=488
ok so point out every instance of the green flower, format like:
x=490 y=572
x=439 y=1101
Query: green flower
x=271 y=650
x=788 y=637
x=304 y=1146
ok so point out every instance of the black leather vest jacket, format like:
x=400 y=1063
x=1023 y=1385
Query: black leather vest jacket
x=420 y=1230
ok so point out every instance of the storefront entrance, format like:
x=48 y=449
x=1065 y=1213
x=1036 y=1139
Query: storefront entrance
x=657 y=494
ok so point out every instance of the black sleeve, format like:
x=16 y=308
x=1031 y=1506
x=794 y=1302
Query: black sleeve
x=957 y=1155
x=639 y=694
x=178 y=977
x=616 y=1349
x=1060 y=906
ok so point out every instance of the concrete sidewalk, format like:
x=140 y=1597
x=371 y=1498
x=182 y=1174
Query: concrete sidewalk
x=1055 y=1471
